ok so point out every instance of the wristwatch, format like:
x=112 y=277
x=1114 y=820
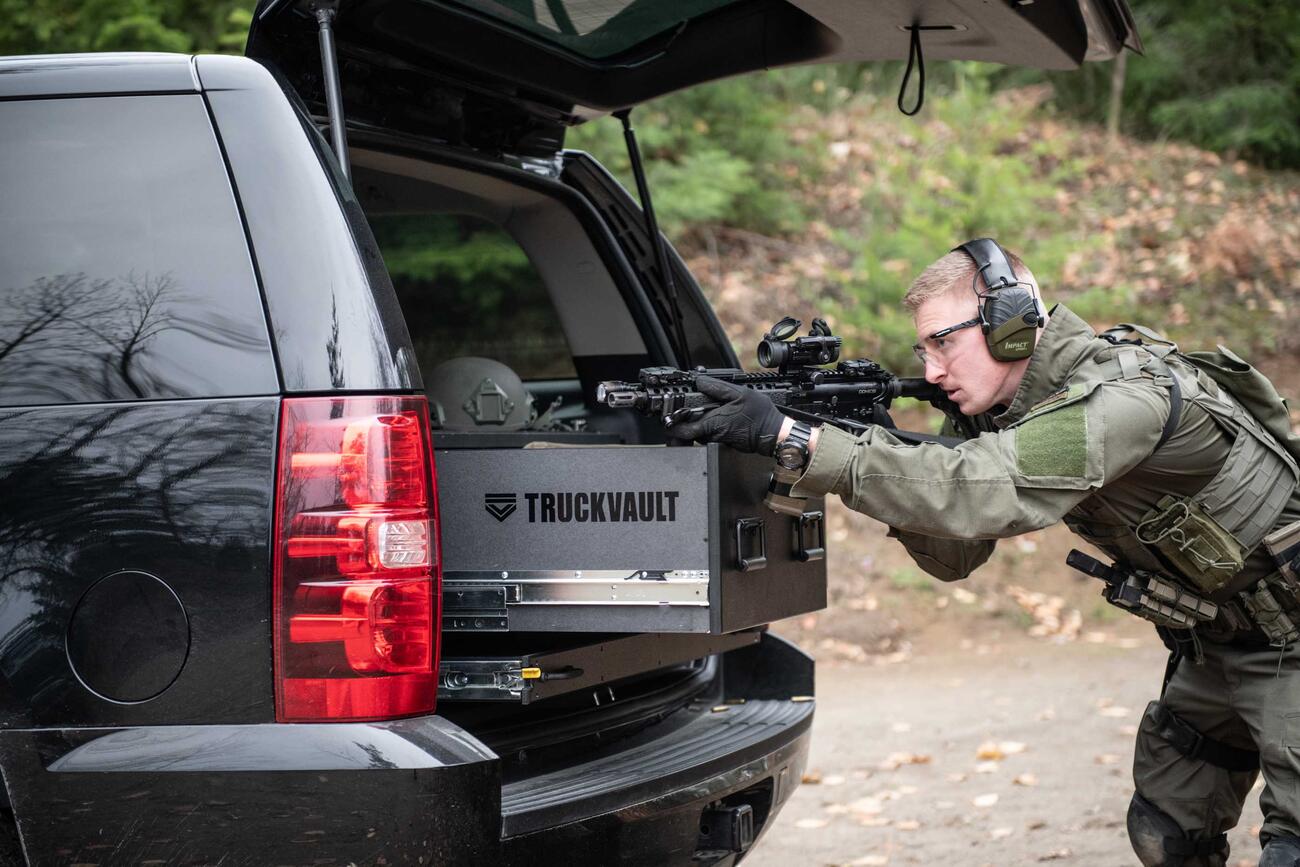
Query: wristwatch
x=792 y=452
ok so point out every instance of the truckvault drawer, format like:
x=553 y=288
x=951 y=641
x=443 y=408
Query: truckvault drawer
x=621 y=539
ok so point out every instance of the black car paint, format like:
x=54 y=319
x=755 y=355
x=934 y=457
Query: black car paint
x=334 y=316
x=180 y=490
x=173 y=499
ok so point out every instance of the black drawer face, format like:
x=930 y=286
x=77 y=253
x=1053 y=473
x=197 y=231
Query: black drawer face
x=621 y=539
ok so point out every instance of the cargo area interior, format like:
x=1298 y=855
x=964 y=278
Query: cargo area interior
x=490 y=267
x=547 y=307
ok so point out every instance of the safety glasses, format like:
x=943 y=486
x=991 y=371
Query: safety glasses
x=936 y=339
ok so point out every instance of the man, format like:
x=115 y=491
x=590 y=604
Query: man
x=1137 y=453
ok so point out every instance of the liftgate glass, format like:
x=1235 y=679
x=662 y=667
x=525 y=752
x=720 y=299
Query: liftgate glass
x=621 y=539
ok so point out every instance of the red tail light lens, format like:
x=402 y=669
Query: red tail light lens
x=357 y=577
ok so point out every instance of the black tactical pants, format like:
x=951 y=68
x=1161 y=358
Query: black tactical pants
x=1247 y=698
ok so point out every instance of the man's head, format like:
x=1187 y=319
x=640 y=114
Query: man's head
x=959 y=361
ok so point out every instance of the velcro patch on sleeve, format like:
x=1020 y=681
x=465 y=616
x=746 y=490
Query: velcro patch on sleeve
x=1054 y=443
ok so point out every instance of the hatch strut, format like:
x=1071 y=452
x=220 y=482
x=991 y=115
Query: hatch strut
x=656 y=239
x=329 y=61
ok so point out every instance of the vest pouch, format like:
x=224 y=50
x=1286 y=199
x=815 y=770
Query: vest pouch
x=1192 y=542
x=1252 y=390
x=1283 y=545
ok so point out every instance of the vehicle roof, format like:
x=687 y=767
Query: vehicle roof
x=76 y=74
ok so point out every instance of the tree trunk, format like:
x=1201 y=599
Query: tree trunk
x=1116 y=95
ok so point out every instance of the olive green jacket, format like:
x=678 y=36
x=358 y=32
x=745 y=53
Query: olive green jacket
x=1071 y=446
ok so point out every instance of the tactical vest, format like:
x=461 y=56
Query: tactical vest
x=1202 y=540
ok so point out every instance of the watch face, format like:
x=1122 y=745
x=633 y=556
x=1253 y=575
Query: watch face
x=790 y=457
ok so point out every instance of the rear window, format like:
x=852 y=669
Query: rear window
x=594 y=28
x=468 y=289
x=124 y=270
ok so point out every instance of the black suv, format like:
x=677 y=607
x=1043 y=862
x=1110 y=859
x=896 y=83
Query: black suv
x=249 y=539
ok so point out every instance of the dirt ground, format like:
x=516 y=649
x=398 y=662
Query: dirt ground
x=987 y=722
x=895 y=774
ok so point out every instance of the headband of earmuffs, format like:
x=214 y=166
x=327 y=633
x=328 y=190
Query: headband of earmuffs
x=1008 y=311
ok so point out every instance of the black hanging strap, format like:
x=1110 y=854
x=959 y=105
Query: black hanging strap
x=913 y=57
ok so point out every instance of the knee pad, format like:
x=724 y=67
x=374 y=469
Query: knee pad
x=1280 y=851
x=1159 y=842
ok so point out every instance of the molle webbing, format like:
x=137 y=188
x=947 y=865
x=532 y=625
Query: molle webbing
x=1257 y=479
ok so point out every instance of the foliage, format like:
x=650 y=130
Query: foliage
x=55 y=26
x=717 y=153
x=467 y=288
x=1222 y=74
x=1206 y=249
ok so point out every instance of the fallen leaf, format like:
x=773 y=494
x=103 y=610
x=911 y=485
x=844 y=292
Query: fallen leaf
x=989 y=751
x=1106 y=759
x=870 y=861
x=964 y=596
x=836 y=809
x=987 y=768
x=812 y=823
x=1000 y=833
x=1058 y=855
x=1036 y=825
x=1011 y=748
x=866 y=806
x=896 y=760
x=907 y=825
x=1026 y=780
x=1115 y=711
x=985 y=800
x=812 y=778
x=833 y=780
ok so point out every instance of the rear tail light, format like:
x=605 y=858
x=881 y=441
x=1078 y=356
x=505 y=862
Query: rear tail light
x=357 y=574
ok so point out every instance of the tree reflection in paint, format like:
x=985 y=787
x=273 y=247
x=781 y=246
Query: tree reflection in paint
x=73 y=338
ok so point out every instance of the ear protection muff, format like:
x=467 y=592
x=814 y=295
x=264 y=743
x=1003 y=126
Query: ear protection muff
x=1008 y=311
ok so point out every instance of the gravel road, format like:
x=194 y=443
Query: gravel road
x=897 y=750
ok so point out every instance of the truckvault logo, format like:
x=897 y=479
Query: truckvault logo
x=597 y=507
x=601 y=507
x=500 y=506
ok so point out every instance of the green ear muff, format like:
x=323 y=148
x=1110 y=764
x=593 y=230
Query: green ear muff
x=1008 y=311
x=1012 y=340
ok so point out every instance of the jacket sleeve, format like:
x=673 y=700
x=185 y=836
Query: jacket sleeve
x=999 y=484
x=945 y=559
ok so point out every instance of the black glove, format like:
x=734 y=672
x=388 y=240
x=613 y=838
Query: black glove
x=747 y=420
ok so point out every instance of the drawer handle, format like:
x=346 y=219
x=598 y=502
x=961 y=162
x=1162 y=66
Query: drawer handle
x=810 y=537
x=751 y=544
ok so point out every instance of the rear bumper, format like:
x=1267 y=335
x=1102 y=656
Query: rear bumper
x=642 y=803
x=665 y=829
x=412 y=791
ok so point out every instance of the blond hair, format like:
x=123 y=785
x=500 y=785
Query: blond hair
x=956 y=271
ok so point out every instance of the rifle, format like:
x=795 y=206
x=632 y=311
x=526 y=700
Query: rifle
x=1149 y=596
x=850 y=396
